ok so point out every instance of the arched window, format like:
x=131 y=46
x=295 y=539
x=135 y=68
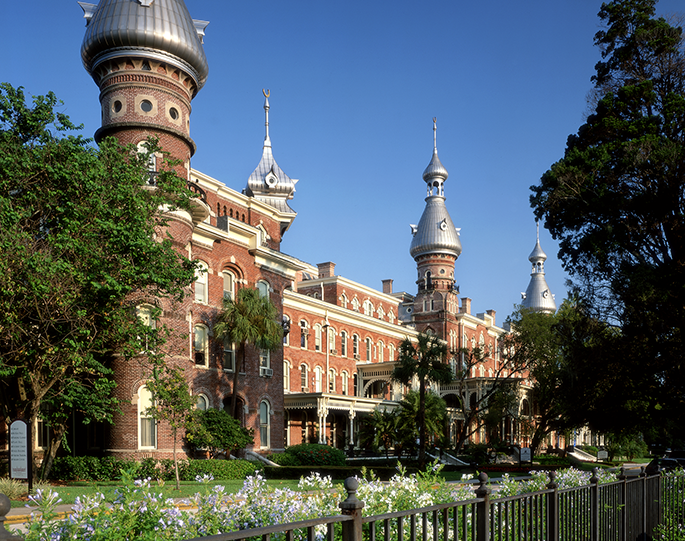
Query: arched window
x=355 y=384
x=229 y=285
x=355 y=304
x=380 y=351
x=331 y=380
x=343 y=300
x=368 y=308
x=202 y=402
x=200 y=345
x=318 y=376
x=263 y=288
x=391 y=352
x=304 y=332
x=331 y=341
x=343 y=343
x=147 y=427
x=286 y=376
x=317 y=337
x=368 y=350
x=345 y=383
x=355 y=346
x=304 y=378
x=264 y=424
x=201 y=282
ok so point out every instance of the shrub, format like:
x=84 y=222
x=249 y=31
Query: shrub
x=216 y=430
x=13 y=489
x=90 y=468
x=284 y=459
x=314 y=454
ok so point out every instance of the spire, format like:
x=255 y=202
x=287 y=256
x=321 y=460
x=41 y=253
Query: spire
x=435 y=174
x=436 y=232
x=268 y=183
x=267 y=93
x=538 y=297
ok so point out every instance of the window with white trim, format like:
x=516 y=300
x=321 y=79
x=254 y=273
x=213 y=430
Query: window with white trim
x=331 y=380
x=264 y=424
x=201 y=282
x=147 y=426
x=264 y=358
x=345 y=382
x=318 y=376
x=201 y=345
x=229 y=285
x=263 y=288
x=381 y=346
x=343 y=343
x=304 y=378
x=304 y=332
x=229 y=356
x=368 y=350
x=355 y=346
x=202 y=402
x=368 y=308
x=317 y=337
x=286 y=376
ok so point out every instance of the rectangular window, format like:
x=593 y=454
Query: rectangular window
x=229 y=285
x=201 y=283
x=229 y=356
x=343 y=344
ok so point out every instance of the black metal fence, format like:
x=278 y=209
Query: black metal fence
x=629 y=509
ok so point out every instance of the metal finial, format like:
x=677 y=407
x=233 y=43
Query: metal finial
x=435 y=133
x=266 y=93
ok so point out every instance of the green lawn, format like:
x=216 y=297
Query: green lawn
x=72 y=490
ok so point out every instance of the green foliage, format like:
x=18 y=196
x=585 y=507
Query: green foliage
x=314 y=454
x=435 y=413
x=614 y=202
x=248 y=319
x=90 y=468
x=425 y=360
x=284 y=459
x=217 y=431
x=628 y=445
x=79 y=236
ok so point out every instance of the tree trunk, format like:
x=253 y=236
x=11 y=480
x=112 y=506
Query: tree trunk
x=174 y=432
x=53 y=447
x=239 y=361
x=422 y=423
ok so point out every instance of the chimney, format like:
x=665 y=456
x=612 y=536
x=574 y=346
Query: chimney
x=387 y=286
x=465 y=305
x=326 y=270
x=491 y=313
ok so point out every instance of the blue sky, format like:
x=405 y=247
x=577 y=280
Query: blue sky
x=354 y=87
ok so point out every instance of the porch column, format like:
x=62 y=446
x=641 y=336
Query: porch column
x=322 y=411
x=350 y=416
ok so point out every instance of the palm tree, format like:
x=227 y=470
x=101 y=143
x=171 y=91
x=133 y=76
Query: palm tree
x=248 y=319
x=425 y=361
x=436 y=414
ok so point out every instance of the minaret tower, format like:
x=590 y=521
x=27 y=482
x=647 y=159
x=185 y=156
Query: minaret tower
x=538 y=296
x=146 y=57
x=268 y=183
x=435 y=248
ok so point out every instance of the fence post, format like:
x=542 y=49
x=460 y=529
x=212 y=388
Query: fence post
x=5 y=507
x=483 y=509
x=624 y=500
x=594 y=504
x=352 y=529
x=553 y=508
x=643 y=485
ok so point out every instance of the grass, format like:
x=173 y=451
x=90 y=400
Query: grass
x=70 y=491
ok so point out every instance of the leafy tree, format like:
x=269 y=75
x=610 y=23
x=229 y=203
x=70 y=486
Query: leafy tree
x=81 y=241
x=384 y=429
x=538 y=342
x=424 y=360
x=249 y=319
x=615 y=202
x=217 y=431
x=172 y=402
x=435 y=415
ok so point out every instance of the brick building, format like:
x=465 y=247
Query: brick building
x=343 y=337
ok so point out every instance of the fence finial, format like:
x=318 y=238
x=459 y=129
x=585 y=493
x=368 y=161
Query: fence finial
x=5 y=507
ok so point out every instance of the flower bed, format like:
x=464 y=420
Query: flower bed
x=138 y=512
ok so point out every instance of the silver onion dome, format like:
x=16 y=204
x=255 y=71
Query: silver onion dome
x=268 y=183
x=158 y=29
x=538 y=296
x=436 y=232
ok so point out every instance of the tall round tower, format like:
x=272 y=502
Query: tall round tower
x=146 y=57
x=435 y=245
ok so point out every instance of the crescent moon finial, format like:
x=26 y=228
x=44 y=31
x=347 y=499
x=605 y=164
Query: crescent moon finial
x=266 y=93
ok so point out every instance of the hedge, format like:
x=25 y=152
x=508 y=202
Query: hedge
x=310 y=454
x=337 y=473
x=90 y=468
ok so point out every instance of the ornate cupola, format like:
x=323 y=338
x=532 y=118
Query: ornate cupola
x=268 y=183
x=435 y=245
x=147 y=58
x=538 y=297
